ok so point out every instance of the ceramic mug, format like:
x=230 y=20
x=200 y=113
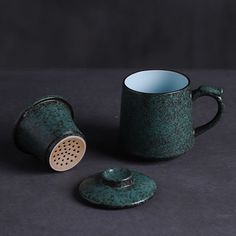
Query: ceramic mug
x=156 y=113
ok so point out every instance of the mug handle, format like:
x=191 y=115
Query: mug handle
x=214 y=93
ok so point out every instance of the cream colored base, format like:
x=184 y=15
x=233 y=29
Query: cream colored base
x=67 y=153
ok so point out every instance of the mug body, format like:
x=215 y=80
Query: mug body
x=156 y=114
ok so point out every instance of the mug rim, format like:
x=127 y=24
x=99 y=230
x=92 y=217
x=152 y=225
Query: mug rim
x=157 y=93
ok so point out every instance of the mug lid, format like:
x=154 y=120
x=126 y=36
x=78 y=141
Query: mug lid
x=117 y=188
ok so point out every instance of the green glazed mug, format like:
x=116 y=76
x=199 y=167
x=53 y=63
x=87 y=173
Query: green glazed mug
x=156 y=113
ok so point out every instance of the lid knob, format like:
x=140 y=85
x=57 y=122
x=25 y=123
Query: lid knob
x=117 y=177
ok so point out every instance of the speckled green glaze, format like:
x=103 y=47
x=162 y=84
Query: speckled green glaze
x=117 y=188
x=159 y=125
x=43 y=124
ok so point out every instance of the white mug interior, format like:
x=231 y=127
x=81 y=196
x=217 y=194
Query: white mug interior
x=156 y=81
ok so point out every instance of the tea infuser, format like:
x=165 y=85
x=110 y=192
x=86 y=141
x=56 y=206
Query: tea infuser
x=47 y=130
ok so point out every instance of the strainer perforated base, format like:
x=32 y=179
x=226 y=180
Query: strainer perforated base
x=67 y=153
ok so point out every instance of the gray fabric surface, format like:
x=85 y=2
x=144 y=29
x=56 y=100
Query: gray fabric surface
x=197 y=191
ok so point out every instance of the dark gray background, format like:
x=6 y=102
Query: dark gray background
x=128 y=33
x=197 y=191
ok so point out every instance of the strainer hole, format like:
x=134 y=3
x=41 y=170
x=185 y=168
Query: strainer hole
x=66 y=163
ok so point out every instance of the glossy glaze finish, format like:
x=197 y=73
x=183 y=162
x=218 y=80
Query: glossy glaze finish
x=117 y=188
x=42 y=125
x=159 y=125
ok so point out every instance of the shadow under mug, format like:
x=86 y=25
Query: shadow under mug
x=156 y=113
